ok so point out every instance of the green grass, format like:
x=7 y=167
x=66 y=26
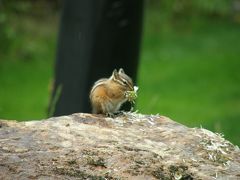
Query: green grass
x=191 y=74
x=26 y=70
x=188 y=71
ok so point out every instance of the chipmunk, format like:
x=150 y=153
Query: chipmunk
x=107 y=95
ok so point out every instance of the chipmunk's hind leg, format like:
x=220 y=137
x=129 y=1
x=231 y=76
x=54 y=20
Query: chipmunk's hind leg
x=115 y=114
x=97 y=109
x=119 y=113
x=111 y=115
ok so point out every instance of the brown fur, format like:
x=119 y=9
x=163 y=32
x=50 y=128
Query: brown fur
x=107 y=95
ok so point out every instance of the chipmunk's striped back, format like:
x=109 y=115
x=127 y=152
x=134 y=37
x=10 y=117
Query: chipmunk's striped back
x=98 y=83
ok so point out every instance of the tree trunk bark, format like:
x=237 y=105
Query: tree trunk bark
x=95 y=38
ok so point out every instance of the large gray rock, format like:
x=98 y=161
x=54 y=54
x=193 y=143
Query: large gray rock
x=130 y=146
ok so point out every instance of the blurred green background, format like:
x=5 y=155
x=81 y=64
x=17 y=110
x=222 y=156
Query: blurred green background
x=189 y=68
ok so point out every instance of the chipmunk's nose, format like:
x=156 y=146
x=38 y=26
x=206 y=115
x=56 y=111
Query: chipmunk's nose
x=132 y=88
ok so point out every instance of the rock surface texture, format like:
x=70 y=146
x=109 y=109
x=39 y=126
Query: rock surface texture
x=129 y=146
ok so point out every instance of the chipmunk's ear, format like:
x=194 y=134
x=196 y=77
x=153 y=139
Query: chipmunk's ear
x=115 y=74
x=121 y=71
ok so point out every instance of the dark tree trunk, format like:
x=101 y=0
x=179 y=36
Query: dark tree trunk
x=95 y=38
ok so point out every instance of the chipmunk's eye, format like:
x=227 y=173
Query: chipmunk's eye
x=125 y=82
